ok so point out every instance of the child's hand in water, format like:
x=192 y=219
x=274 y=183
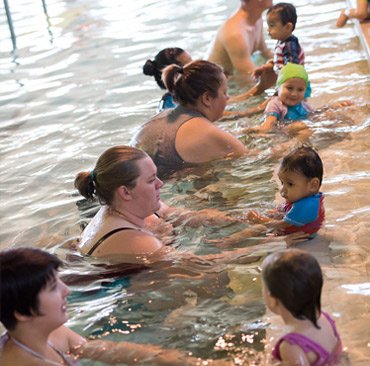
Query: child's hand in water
x=255 y=218
x=255 y=129
x=341 y=104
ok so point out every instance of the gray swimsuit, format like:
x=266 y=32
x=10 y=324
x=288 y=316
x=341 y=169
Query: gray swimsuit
x=157 y=138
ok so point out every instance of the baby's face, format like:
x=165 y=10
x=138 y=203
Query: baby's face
x=292 y=91
x=276 y=29
x=294 y=186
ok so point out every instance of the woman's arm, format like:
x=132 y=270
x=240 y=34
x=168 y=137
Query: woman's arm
x=209 y=217
x=130 y=353
x=113 y=353
x=201 y=141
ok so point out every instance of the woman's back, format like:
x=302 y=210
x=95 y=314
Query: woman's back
x=158 y=138
x=187 y=134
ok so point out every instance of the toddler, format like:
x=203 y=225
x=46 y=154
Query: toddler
x=289 y=105
x=300 y=173
x=281 y=21
x=292 y=284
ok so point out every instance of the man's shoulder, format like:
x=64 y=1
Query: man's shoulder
x=230 y=28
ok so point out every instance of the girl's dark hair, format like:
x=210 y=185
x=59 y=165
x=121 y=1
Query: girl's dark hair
x=116 y=167
x=286 y=12
x=188 y=83
x=24 y=272
x=295 y=278
x=167 y=56
x=304 y=160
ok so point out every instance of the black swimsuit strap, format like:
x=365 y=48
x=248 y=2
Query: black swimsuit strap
x=106 y=236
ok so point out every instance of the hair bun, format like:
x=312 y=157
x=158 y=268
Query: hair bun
x=149 y=68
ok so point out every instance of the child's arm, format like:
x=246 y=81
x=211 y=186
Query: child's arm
x=249 y=232
x=336 y=105
x=268 y=125
x=291 y=52
x=275 y=223
x=340 y=104
x=228 y=115
x=258 y=71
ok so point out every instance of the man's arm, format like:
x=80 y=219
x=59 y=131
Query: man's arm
x=239 y=51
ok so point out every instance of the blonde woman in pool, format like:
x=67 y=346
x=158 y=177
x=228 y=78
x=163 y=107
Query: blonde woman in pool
x=133 y=222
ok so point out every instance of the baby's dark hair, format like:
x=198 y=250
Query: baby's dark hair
x=304 y=160
x=294 y=277
x=24 y=273
x=286 y=12
x=167 y=56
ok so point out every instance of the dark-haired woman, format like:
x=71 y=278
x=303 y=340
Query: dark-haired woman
x=166 y=57
x=34 y=309
x=187 y=134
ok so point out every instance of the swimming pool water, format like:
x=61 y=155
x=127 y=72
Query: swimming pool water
x=74 y=87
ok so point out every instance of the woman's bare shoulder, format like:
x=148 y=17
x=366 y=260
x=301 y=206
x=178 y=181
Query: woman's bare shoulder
x=64 y=339
x=130 y=241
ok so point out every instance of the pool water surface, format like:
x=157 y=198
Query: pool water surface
x=74 y=87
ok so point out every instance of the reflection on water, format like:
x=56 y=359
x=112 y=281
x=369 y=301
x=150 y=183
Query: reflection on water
x=74 y=87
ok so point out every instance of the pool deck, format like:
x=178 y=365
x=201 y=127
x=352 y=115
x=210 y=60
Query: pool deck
x=363 y=31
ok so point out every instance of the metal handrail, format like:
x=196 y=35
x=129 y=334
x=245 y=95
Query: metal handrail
x=10 y=21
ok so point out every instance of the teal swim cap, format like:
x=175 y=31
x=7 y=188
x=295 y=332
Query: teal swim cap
x=290 y=71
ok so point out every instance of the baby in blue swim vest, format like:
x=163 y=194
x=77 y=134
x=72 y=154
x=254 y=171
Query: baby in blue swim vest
x=300 y=174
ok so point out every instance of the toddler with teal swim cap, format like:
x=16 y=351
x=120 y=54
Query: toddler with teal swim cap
x=289 y=105
x=290 y=71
